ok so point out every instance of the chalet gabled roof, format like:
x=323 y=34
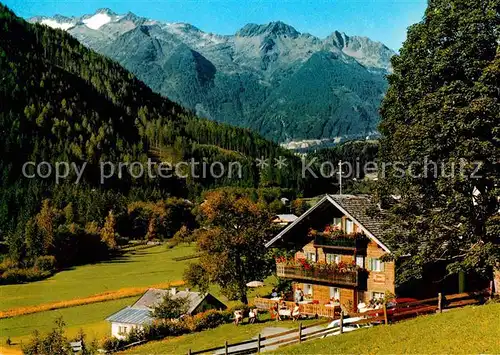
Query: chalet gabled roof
x=356 y=208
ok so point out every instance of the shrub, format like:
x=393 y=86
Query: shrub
x=162 y=328
x=135 y=334
x=53 y=343
x=16 y=275
x=111 y=343
x=46 y=263
x=207 y=320
x=7 y=264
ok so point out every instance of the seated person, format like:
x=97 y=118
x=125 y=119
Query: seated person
x=238 y=317
x=362 y=307
x=372 y=303
x=296 y=312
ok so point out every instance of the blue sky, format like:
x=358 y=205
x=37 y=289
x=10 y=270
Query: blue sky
x=381 y=20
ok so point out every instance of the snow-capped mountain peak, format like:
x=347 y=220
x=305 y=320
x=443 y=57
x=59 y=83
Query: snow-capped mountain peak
x=54 y=24
x=97 y=21
x=269 y=77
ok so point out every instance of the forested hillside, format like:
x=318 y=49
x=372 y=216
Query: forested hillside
x=60 y=101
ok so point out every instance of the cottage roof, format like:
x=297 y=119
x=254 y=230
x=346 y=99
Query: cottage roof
x=361 y=209
x=288 y=218
x=131 y=315
x=140 y=311
x=155 y=296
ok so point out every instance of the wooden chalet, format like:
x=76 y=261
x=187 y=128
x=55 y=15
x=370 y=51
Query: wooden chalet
x=338 y=245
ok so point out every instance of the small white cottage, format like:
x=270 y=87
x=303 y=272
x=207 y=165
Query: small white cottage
x=139 y=314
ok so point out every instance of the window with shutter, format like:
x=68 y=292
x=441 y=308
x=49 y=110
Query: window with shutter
x=376 y=265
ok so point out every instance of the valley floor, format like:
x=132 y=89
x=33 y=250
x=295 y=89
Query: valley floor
x=138 y=268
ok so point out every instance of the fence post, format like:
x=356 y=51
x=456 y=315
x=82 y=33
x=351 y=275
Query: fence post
x=385 y=314
x=341 y=322
x=440 y=302
x=258 y=343
x=189 y=352
x=300 y=332
x=226 y=348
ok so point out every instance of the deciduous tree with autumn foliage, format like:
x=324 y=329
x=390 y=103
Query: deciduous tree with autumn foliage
x=233 y=232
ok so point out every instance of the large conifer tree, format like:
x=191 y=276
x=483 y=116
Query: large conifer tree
x=443 y=106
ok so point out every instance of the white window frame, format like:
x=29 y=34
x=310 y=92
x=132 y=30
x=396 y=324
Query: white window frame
x=378 y=295
x=308 y=289
x=122 y=329
x=335 y=293
x=360 y=261
x=335 y=258
x=311 y=256
x=337 y=221
x=376 y=265
x=349 y=226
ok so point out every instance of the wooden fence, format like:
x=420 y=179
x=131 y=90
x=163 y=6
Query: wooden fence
x=385 y=316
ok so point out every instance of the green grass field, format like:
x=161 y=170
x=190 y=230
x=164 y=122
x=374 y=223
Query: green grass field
x=471 y=330
x=136 y=268
x=89 y=317
x=211 y=338
x=142 y=267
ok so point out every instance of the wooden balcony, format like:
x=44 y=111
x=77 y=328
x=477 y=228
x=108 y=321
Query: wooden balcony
x=348 y=278
x=340 y=242
x=312 y=310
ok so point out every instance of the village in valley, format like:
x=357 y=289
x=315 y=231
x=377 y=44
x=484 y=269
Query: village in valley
x=386 y=241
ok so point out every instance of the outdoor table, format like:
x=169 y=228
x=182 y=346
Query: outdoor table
x=285 y=312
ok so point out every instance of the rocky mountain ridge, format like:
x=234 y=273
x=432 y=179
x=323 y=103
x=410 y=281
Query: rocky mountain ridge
x=270 y=78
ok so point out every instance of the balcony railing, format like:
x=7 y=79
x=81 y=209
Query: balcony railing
x=322 y=241
x=347 y=278
x=310 y=309
x=340 y=242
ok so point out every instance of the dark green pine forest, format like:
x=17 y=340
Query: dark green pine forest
x=60 y=101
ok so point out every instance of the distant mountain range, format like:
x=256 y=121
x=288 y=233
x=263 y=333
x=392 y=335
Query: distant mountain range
x=288 y=86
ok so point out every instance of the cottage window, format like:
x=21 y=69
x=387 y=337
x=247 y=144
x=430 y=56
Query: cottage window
x=376 y=265
x=311 y=256
x=335 y=293
x=308 y=289
x=337 y=221
x=360 y=261
x=122 y=330
x=349 y=226
x=333 y=258
x=378 y=295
